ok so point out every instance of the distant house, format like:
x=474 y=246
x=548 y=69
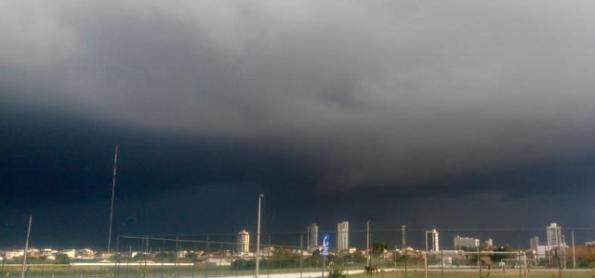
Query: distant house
x=85 y=254
x=219 y=261
x=11 y=254
x=70 y=253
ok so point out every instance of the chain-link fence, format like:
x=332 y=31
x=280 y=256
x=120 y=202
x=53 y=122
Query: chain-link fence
x=385 y=252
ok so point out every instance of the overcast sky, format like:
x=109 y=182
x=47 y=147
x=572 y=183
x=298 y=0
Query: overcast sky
x=328 y=106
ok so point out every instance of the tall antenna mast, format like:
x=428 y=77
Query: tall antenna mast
x=26 y=250
x=111 y=212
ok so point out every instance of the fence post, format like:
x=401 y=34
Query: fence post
x=478 y=262
x=405 y=262
x=519 y=264
x=442 y=263
x=206 y=270
x=128 y=260
x=323 y=265
x=301 y=255
x=176 y=257
x=426 y=264
x=525 y=264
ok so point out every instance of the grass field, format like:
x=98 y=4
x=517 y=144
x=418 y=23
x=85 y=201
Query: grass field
x=65 y=271
x=471 y=274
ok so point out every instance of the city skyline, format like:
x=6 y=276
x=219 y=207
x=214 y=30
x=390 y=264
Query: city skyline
x=340 y=238
x=455 y=115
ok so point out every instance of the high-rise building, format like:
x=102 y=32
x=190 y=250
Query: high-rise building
x=403 y=237
x=556 y=245
x=312 y=236
x=555 y=238
x=465 y=243
x=243 y=242
x=488 y=243
x=433 y=237
x=342 y=236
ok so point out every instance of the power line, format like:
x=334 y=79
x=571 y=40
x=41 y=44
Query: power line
x=164 y=239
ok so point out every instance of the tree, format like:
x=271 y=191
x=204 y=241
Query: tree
x=62 y=259
x=243 y=264
x=282 y=258
x=356 y=257
x=498 y=257
x=141 y=256
x=165 y=256
x=335 y=272
x=192 y=256
x=379 y=248
x=313 y=261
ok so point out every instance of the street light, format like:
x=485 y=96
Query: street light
x=369 y=263
x=260 y=196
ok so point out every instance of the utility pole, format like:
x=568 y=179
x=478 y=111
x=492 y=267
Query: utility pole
x=301 y=255
x=26 y=250
x=111 y=211
x=426 y=239
x=368 y=243
x=308 y=238
x=260 y=196
x=404 y=245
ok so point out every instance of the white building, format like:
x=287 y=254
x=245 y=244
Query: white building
x=555 y=238
x=541 y=252
x=182 y=254
x=465 y=242
x=312 y=242
x=70 y=253
x=11 y=254
x=243 y=242
x=219 y=261
x=342 y=236
x=433 y=237
x=488 y=242
x=556 y=245
x=48 y=253
x=85 y=254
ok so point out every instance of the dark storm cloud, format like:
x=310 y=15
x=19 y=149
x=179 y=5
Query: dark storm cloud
x=371 y=94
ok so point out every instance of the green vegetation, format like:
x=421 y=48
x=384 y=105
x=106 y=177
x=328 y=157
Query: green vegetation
x=62 y=259
x=499 y=257
x=473 y=274
x=287 y=259
x=379 y=248
x=336 y=272
x=280 y=259
x=165 y=256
